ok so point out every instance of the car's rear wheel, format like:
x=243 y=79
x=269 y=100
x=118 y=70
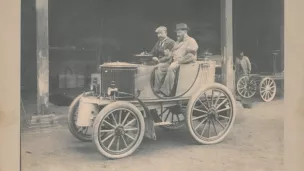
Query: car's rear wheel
x=118 y=130
x=210 y=114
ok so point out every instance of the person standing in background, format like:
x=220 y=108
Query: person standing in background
x=243 y=65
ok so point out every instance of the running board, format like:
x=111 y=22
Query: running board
x=162 y=123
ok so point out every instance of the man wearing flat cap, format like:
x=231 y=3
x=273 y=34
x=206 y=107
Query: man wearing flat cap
x=183 y=52
x=162 y=54
x=163 y=43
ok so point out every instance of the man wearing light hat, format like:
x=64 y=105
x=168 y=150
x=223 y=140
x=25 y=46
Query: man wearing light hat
x=162 y=54
x=183 y=52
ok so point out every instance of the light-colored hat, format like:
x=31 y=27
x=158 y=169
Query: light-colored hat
x=161 y=28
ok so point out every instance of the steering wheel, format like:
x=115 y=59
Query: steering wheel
x=144 y=58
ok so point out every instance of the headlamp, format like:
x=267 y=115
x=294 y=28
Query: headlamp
x=92 y=87
x=112 y=89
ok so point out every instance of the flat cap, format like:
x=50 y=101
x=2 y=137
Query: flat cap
x=161 y=28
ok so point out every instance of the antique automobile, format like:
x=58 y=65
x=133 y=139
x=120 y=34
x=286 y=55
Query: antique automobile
x=122 y=109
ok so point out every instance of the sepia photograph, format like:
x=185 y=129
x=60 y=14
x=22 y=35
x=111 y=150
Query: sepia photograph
x=145 y=85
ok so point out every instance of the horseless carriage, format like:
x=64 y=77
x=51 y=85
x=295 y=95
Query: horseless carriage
x=247 y=85
x=123 y=108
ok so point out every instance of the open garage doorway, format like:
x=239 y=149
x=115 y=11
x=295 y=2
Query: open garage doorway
x=124 y=28
x=86 y=33
x=83 y=34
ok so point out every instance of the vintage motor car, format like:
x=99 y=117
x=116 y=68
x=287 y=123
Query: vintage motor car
x=123 y=109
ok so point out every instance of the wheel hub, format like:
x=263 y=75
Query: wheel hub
x=247 y=86
x=212 y=112
x=267 y=88
x=119 y=131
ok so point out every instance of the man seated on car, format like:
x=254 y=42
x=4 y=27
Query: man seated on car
x=161 y=55
x=183 y=52
x=163 y=43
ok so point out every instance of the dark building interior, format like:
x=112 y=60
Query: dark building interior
x=79 y=31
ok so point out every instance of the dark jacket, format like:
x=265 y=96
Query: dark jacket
x=158 y=50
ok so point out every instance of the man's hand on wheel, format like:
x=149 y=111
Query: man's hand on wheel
x=155 y=59
x=144 y=53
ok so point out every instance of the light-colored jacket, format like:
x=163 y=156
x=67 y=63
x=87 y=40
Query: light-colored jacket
x=185 y=51
x=244 y=66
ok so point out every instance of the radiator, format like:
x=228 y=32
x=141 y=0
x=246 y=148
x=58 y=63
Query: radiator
x=123 y=77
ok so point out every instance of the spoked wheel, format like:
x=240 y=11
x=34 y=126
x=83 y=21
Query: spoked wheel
x=268 y=89
x=246 y=87
x=172 y=115
x=81 y=133
x=118 y=130
x=211 y=114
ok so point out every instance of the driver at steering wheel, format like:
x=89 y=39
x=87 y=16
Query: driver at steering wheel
x=163 y=43
x=161 y=54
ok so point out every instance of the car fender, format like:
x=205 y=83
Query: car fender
x=149 y=122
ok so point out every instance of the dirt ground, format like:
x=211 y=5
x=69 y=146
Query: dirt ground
x=254 y=144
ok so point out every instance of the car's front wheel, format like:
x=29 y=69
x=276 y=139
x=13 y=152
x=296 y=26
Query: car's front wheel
x=81 y=133
x=118 y=130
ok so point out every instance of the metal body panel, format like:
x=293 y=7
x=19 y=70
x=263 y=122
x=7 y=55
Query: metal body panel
x=194 y=76
x=143 y=82
x=191 y=78
x=86 y=113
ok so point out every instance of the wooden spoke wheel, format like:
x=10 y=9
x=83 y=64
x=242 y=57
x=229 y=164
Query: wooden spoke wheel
x=210 y=114
x=173 y=115
x=268 y=89
x=118 y=130
x=246 y=87
x=81 y=133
